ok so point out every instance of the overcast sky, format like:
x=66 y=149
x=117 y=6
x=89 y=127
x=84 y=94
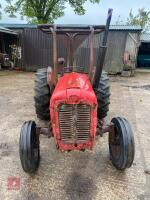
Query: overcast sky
x=95 y=13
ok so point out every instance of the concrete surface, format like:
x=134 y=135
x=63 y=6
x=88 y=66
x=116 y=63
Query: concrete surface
x=76 y=175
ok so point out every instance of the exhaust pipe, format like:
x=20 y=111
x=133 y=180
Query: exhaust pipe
x=102 y=53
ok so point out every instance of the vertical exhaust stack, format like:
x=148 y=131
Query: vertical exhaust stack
x=54 y=74
x=102 y=54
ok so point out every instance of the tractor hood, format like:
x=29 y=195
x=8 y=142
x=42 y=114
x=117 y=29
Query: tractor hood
x=74 y=88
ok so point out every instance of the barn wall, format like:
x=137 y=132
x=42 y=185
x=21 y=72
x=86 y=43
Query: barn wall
x=118 y=43
x=132 y=46
x=37 y=50
x=115 y=51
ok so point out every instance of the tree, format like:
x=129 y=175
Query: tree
x=142 y=19
x=44 y=11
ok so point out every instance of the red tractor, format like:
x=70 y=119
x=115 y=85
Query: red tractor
x=75 y=101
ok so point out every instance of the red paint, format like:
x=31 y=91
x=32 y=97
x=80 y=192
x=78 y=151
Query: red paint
x=13 y=183
x=73 y=88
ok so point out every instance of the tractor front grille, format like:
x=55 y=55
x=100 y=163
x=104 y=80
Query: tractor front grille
x=74 y=123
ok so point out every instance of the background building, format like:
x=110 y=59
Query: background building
x=36 y=47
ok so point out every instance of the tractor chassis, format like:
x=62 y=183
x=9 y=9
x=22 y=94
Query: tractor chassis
x=47 y=131
x=101 y=129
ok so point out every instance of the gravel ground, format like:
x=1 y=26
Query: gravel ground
x=76 y=175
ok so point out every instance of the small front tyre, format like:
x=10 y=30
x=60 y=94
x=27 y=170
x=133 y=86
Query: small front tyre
x=29 y=147
x=121 y=144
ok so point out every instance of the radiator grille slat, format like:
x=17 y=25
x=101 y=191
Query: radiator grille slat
x=74 y=122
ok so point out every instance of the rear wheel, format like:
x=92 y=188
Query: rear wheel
x=103 y=94
x=42 y=95
x=29 y=147
x=121 y=144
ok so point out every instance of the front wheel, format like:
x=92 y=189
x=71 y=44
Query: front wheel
x=121 y=144
x=29 y=147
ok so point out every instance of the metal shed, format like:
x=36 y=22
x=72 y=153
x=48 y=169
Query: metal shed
x=121 y=39
x=36 y=46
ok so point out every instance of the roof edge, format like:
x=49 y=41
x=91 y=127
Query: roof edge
x=8 y=31
x=112 y=27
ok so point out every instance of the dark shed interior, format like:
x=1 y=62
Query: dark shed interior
x=144 y=55
x=9 y=41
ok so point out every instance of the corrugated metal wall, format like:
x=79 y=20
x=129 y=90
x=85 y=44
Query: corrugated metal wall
x=37 y=50
x=132 y=46
x=116 y=46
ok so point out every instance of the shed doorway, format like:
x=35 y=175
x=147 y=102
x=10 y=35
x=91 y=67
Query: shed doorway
x=143 y=60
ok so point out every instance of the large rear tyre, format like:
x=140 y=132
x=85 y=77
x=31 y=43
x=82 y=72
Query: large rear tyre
x=29 y=147
x=121 y=144
x=103 y=95
x=42 y=95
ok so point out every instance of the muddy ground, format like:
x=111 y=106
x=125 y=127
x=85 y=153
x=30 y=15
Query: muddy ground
x=76 y=175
